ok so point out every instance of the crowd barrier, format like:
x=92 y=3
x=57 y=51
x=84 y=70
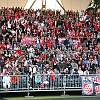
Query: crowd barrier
x=88 y=84
x=40 y=82
x=21 y=84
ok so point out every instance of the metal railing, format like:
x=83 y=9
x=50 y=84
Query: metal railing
x=7 y=84
x=40 y=82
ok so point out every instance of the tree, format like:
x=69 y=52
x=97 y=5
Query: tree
x=94 y=5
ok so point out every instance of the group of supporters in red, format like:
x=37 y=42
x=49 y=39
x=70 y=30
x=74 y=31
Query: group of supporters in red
x=40 y=41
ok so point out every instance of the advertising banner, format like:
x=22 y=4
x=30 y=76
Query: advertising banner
x=90 y=84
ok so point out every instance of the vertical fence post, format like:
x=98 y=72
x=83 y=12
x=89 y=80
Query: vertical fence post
x=64 y=83
x=28 y=81
x=28 y=87
x=28 y=84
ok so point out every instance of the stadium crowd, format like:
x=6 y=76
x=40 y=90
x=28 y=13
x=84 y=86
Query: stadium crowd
x=40 y=42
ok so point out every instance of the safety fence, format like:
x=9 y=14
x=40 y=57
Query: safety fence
x=39 y=82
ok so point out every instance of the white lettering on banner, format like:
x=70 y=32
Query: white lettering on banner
x=27 y=40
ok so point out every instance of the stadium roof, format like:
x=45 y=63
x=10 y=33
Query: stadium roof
x=13 y=3
x=50 y=4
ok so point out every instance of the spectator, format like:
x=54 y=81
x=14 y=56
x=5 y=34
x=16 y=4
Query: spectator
x=26 y=69
x=98 y=71
x=74 y=65
x=14 y=81
x=86 y=72
x=17 y=72
x=38 y=79
x=80 y=71
x=32 y=70
x=52 y=78
x=66 y=71
x=46 y=82
x=73 y=44
x=6 y=81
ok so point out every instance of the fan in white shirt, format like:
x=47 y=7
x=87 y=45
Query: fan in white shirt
x=86 y=72
x=6 y=81
x=32 y=69
x=38 y=13
x=9 y=24
x=62 y=12
x=31 y=51
x=80 y=71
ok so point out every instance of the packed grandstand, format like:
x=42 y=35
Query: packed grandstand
x=40 y=42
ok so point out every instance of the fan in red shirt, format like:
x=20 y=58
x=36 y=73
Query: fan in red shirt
x=13 y=57
x=50 y=23
x=96 y=26
x=81 y=28
x=67 y=26
x=42 y=41
x=26 y=26
x=4 y=27
x=8 y=45
x=48 y=41
x=17 y=16
x=8 y=16
x=2 y=46
x=52 y=62
x=52 y=77
x=85 y=33
x=76 y=34
x=97 y=47
x=18 y=51
x=43 y=55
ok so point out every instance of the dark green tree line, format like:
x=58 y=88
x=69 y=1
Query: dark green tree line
x=94 y=5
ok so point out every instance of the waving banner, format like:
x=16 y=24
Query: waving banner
x=90 y=84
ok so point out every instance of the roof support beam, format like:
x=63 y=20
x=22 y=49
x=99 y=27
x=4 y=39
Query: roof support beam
x=32 y=4
x=60 y=5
